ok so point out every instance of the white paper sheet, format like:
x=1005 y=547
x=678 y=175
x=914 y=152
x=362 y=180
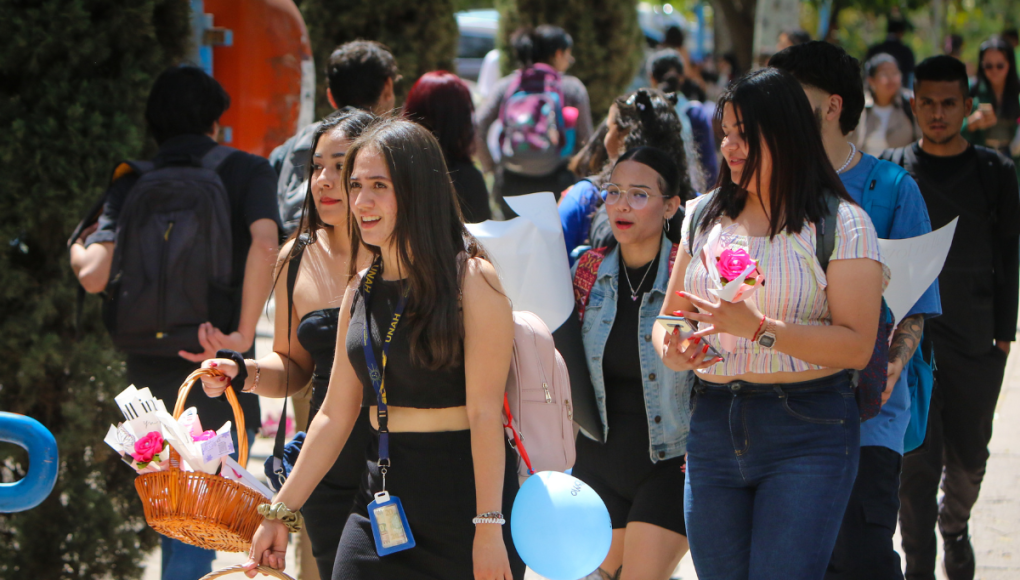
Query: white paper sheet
x=915 y=263
x=531 y=257
x=233 y=471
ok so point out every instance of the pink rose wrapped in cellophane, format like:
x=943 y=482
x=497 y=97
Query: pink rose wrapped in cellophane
x=733 y=273
x=151 y=453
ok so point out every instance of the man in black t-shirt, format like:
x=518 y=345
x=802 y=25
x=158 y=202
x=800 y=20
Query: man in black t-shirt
x=183 y=113
x=972 y=338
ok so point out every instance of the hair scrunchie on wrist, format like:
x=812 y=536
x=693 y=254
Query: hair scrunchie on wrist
x=277 y=511
x=236 y=383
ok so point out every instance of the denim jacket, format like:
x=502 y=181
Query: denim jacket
x=667 y=392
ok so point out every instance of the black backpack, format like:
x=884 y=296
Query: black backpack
x=172 y=261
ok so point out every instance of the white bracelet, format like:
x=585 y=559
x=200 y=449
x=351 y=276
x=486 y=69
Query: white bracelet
x=477 y=521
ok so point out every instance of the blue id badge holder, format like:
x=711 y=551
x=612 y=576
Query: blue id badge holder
x=389 y=524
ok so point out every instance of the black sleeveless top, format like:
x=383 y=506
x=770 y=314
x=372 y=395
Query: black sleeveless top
x=317 y=334
x=407 y=385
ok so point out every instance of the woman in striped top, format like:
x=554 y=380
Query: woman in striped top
x=773 y=446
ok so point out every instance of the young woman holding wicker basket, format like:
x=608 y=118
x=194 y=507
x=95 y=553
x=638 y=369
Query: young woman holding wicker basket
x=320 y=251
x=436 y=398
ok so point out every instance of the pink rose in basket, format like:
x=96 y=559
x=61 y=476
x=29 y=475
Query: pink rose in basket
x=148 y=447
x=204 y=436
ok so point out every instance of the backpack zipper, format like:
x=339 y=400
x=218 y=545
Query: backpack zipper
x=548 y=395
x=161 y=315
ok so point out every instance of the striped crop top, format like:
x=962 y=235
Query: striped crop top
x=794 y=289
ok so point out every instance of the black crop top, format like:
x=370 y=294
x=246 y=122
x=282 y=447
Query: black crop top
x=317 y=334
x=407 y=385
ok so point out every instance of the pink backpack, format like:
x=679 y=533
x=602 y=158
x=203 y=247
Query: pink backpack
x=534 y=126
x=538 y=416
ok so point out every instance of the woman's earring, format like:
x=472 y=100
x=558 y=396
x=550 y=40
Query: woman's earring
x=666 y=222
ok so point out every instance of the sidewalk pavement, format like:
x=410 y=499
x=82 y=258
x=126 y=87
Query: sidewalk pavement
x=995 y=521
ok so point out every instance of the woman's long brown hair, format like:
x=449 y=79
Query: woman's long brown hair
x=429 y=236
x=349 y=122
x=774 y=113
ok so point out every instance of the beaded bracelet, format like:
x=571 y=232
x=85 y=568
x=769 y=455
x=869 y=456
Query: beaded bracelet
x=489 y=518
x=477 y=521
x=258 y=374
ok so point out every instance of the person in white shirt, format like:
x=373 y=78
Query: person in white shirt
x=887 y=121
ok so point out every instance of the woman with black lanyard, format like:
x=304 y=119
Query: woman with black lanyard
x=311 y=280
x=429 y=347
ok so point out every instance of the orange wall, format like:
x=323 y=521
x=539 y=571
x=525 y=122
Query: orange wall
x=262 y=71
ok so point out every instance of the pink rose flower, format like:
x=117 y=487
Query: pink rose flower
x=148 y=447
x=204 y=436
x=732 y=263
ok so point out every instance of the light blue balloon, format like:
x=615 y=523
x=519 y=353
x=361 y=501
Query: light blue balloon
x=560 y=526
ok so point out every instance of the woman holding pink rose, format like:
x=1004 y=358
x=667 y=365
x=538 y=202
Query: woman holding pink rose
x=639 y=469
x=775 y=429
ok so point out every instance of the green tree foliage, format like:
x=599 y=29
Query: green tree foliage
x=422 y=34
x=607 y=40
x=74 y=75
x=860 y=25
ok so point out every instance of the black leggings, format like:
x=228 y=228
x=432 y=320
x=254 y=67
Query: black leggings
x=633 y=488
x=330 y=503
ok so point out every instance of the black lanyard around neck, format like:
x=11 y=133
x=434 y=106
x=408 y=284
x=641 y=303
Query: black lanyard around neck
x=375 y=372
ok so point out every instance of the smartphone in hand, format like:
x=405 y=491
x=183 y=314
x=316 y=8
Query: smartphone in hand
x=686 y=330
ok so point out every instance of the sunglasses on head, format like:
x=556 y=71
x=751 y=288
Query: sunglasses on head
x=994 y=65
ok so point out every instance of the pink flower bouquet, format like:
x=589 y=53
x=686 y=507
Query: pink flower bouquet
x=144 y=440
x=151 y=453
x=733 y=272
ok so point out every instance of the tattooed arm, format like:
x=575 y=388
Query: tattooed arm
x=906 y=338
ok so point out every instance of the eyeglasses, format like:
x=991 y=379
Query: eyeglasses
x=994 y=65
x=638 y=198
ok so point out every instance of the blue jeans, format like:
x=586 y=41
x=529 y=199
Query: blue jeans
x=769 y=474
x=186 y=562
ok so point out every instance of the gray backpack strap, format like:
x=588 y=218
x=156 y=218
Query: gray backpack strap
x=825 y=232
x=216 y=156
x=699 y=212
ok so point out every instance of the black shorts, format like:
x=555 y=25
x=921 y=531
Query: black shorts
x=633 y=488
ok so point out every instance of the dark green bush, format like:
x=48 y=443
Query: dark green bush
x=422 y=34
x=74 y=76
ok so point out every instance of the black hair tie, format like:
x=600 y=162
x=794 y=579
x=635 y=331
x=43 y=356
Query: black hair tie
x=237 y=383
